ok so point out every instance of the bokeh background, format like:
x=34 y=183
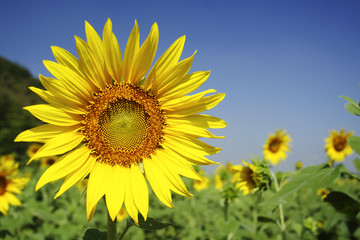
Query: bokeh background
x=282 y=64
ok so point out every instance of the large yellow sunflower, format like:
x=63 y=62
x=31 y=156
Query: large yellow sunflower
x=10 y=184
x=336 y=145
x=276 y=146
x=120 y=129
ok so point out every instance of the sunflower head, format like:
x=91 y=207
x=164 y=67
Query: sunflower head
x=10 y=184
x=112 y=118
x=252 y=177
x=203 y=183
x=336 y=145
x=32 y=149
x=277 y=146
x=323 y=192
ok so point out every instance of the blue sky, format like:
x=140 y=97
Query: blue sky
x=282 y=64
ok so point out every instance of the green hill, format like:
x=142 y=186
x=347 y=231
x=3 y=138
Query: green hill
x=14 y=95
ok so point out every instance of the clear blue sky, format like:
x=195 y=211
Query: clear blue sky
x=282 y=64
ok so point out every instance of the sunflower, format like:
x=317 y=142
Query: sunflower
x=336 y=146
x=119 y=126
x=277 y=146
x=32 y=149
x=246 y=177
x=10 y=184
x=201 y=184
x=48 y=161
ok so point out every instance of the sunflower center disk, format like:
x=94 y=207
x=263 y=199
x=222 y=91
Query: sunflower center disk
x=339 y=143
x=124 y=125
x=2 y=185
x=274 y=145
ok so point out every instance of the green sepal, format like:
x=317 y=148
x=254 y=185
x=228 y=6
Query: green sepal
x=352 y=106
x=343 y=203
x=354 y=142
x=151 y=224
x=313 y=177
x=94 y=234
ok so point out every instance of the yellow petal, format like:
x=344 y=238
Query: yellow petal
x=64 y=166
x=112 y=52
x=56 y=88
x=169 y=58
x=187 y=130
x=204 y=104
x=139 y=190
x=200 y=120
x=184 y=101
x=96 y=186
x=91 y=66
x=176 y=161
x=67 y=59
x=60 y=144
x=131 y=50
x=145 y=56
x=129 y=199
x=115 y=191
x=50 y=114
x=186 y=85
x=44 y=133
x=172 y=77
x=12 y=199
x=58 y=103
x=157 y=182
x=77 y=175
x=173 y=179
x=72 y=81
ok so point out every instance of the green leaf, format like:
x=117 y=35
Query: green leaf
x=343 y=203
x=94 y=234
x=151 y=224
x=352 y=107
x=266 y=219
x=354 y=142
x=356 y=163
x=313 y=177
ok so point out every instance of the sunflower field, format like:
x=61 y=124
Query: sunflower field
x=119 y=150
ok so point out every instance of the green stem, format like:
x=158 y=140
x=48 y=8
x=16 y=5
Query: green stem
x=111 y=232
x=281 y=211
x=255 y=217
x=128 y=225
x=226 y=207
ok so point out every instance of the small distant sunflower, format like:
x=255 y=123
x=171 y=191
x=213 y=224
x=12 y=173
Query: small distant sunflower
x=122 y=215
x=276 y=146
x=323 y=192
x=32 y=149
x=119 y=126
x=10 y=184
x=48 y=161
x=246 y=177
x=336 y=145
x=201 y=184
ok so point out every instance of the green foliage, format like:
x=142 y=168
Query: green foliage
x=354 y=143
x=352 y=106
x=14 y=92
x=151 y=224
x=343 y=203
x=312 y=178
x=94 y=234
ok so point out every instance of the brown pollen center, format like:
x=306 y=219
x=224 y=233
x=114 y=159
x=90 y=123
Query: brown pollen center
x=274 y=145
x=124 y=125
x=339 y=143
x=3 y=184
